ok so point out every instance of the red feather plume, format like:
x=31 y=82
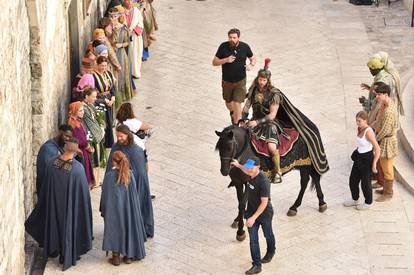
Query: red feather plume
x=267 y=63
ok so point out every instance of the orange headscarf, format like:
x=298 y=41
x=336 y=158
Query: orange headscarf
x=98 y=32
x=73 y=120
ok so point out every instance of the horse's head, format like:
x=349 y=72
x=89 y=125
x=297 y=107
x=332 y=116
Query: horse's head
x=227 y=147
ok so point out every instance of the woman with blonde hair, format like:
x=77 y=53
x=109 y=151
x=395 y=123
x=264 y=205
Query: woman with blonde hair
x=124 y=232
x=365 y=159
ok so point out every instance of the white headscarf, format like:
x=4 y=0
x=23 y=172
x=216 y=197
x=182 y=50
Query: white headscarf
x=390 y=68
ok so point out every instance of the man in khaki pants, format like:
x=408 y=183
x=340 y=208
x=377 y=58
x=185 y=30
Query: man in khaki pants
x=231 y=56
x=387 y=138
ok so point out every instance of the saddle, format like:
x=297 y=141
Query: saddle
x=286 y=142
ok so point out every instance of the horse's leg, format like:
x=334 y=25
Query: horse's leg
x=241 y=234
x=304 y=179
x=236 y=220
x=316 y=180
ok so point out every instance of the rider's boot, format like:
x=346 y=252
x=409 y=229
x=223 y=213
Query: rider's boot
x=277 y=178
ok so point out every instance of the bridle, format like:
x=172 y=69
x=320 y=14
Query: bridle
x=234 y=154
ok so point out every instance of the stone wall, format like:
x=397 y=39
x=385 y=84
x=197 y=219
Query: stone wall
x=15 y=134
x=34 y=94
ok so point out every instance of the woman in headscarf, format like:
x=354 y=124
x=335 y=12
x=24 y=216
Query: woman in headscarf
x=124 y=232
x=99 y=34
x=102 y=50
x=121 y=43
x=86 y=67
x=76 y=113
x=105 y=84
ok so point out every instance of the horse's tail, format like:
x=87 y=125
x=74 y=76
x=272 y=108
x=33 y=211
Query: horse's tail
x=313 y=184
x=314 y=177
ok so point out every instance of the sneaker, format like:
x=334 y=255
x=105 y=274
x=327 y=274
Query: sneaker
x=350 y=203
x=363 y=206
x=267 y=258
x=255 y=269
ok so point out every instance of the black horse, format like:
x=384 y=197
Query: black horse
x=235 y=143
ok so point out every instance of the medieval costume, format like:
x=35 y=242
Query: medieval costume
x=150 y=26
x=81 y=133
x=389 y=75
x=105 y=84
x=124 y=230
x=387 y=139
x=49 y=150
x=135 y=23
x=113 y=61
x=61 y=222
x=85 y=68
x=121 y=38
x=97 y=132
x=137 y=162
x=287 y=117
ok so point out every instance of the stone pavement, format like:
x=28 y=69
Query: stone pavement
x=319 y=51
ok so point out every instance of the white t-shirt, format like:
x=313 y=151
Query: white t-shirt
x=134 y=125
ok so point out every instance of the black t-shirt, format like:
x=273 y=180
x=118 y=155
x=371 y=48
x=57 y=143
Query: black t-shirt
x=258 y=188
x=235 y=71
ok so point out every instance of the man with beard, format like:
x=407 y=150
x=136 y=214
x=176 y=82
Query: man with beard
x=137 y=161
x=62 y=220
x=49 y=150
x=273 y=116
x=231 y=56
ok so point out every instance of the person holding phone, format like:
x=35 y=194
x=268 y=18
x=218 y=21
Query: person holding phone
x=365 y=159
x=232 y=56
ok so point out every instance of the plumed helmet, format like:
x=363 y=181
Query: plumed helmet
x=265 y=72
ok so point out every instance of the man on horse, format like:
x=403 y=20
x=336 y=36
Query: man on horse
x=272 y=114
x=264 y=99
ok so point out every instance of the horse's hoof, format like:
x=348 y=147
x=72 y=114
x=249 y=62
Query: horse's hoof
x=235 y=224
x=291 y=213
x=323 y=207
x=241 y=237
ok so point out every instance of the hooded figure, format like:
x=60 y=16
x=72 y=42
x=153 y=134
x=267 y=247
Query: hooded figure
x=137 y=162
x=124 y=231
x=61 y=222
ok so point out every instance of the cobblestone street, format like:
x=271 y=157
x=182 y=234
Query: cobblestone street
x=319 y=50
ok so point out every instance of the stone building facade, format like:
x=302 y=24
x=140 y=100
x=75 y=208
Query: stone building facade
x=42 y=44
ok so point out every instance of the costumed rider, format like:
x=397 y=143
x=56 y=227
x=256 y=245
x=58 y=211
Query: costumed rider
x=264 y=99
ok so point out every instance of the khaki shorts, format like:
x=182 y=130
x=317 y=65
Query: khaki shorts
x=234 y=91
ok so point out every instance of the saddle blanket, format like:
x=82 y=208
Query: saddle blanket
x=286 y=142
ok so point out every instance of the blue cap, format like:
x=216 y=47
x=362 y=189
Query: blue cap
x=249 y=164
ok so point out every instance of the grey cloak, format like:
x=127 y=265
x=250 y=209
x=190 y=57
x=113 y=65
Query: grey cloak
x=49 y=150
x=124 y=230
x=62 y=220
x=137 y=162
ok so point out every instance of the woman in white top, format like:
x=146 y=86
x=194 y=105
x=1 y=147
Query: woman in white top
x=126 y=116
x=365 y=159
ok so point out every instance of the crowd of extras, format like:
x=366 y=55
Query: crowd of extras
x=68 y=166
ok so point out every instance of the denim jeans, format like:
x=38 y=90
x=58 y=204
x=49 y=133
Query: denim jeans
x=254 y=239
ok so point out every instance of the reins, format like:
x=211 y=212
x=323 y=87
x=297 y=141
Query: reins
x=236 y=155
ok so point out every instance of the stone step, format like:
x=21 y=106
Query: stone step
x=406 y=133
x=404 y=171
x=404 y=163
